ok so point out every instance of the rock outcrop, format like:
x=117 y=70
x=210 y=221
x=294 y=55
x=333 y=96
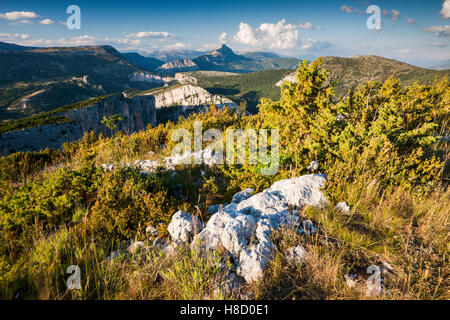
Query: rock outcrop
x=172 y=67
x=141 y=76
x=188 y=96
x=185 y=78
x=292 y=77
x=255 y=217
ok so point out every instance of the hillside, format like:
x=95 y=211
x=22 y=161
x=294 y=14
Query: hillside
x=146 y=63
x=62 y=75
x=346 y=189
x=353 y=71
x=250 y=87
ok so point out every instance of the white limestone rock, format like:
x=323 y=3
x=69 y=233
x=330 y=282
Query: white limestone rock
x=342 y=207
x=253 y=261
x=136 y=247
x=184 y=226
x=296 y=255
x=302 y=191
x=243 y=195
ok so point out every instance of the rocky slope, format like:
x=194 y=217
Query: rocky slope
x=354 y=71
x=146 y=63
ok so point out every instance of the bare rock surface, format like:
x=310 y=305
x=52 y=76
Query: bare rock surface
x=244 y=228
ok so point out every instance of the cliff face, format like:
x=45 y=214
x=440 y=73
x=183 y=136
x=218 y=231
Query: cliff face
x=149 y=77
x=189 y=96
x=137 y=114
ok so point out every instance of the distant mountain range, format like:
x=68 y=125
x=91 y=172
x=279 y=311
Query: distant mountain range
x=40 y=79
x=34 y=79
x=220 y=59
x=171 y=55
x=224 y=59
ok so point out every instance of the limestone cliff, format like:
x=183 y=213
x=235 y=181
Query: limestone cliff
x=189 y=96
x=137 y=114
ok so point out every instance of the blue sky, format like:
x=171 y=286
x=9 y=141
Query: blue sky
x=412 y=31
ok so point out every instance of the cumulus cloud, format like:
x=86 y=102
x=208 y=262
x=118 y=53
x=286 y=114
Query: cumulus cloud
x=223 y=37
x=17 y=15
x=440 y=31
x=411 y=21
x=47 y=21
x=281 y=35
x=309 y=26
x=445 y=12
x=13 y=36
x=306 y=25
x=162 y=36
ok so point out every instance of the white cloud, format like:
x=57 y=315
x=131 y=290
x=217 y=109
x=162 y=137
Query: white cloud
x=411 y=21
x=306 y=25
x=17 y=15
x=223 y=37
x=176 y=46
x=160 y=35
x=13 y=36
x=440 y=31
x=445 y=12
x=209 y=46
x=395 y=15
x=350 y=9
x=310 y=44
x=16 y=23
x=47 y=21
x=403 y=51
x=268 y=35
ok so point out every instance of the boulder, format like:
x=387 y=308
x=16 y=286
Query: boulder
x=342 y=207
x=243 y=195
x=296 y=255
x=253 y=261
x=136 y=247
x=243 y=228
x=184 y=226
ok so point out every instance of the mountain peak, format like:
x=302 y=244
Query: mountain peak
x=223 y=50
